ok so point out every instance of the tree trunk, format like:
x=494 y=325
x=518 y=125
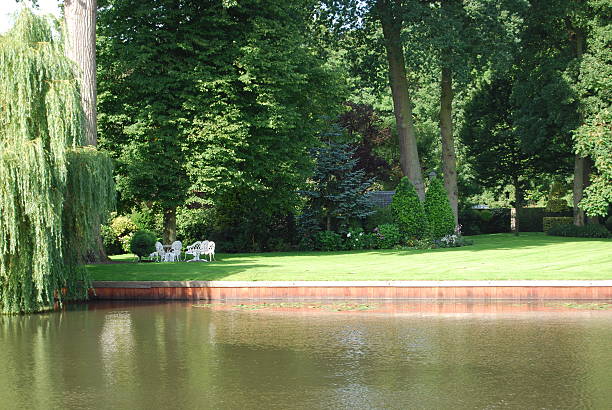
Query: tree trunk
x=80 y=18
x=449 y=159
x=580 y=166
x=80 y=47
x=515 y=211
x=402 y=106
x=169 y=225
x=579 y=174
x=588 y=165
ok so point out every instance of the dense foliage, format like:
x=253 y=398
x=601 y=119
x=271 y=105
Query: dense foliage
x=408 y=210
x=211 y=109
x=53 y=192
x=213 y=102
x=336 y=192
x=586 y=231
x=142 y=243
x=439 y=214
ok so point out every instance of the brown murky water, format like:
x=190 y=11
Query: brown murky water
x=398 y=356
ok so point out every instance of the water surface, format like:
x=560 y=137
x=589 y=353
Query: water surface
x=416 y=355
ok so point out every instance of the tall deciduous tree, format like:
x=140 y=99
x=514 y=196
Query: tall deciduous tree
x=80 y=20
x=224 y=101
x=593 y=138
x=52 y=191
x=390 y=13
x=457 y=41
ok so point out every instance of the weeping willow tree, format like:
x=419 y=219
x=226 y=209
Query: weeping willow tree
x=53 y=191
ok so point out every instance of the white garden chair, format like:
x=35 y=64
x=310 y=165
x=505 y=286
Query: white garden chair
x=210 y=251
x=196 y=250
x=160 y=253
x=176 y=249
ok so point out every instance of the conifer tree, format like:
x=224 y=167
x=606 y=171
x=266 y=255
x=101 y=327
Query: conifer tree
x=408 y=210
x=438 y=210
x=52 y=190
x=337 y=192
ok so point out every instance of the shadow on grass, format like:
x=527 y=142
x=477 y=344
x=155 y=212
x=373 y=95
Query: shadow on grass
x=179 y=271
x=284 y=265
x=485 y=242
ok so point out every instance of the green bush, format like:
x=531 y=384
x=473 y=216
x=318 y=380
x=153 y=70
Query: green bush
x=389 y=236
x=439 y=213
x=142 y=243
x=408 y=210
x=117 y=234
x=550 y=221
x=356 y=239
x=609 y=223
x=112 y=246
x=328 y=241
x=586 y=231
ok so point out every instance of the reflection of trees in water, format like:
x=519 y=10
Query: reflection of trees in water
x=176 y=356
x=117 y=347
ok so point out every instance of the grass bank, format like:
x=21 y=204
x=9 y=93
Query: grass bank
x=492 y=257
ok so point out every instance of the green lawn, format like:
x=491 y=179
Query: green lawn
x=498 y=256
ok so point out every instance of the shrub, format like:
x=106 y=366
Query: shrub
x=328 y=241
x=388 y=235
x=408 y=210
x=112 y=246
x=355 y=239
x=586 y=231
x=117 y=234
x=440 y=219
x=609 y=223
x=551 y=221
x=142 y=243
x=496 y=220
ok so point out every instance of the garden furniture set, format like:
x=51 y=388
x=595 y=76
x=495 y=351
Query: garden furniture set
x=173 y=252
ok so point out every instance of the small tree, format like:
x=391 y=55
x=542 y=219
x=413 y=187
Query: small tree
x=438 y=210
x=338 y=188
x=408 y=210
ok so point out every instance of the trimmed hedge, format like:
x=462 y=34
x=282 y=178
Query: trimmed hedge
x=440 y=219
x=476 y=221
x=408 y=210
x=530 y=219
x=586 y=231
x=550 y=221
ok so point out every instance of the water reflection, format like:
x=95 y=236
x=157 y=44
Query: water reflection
x=423 y=355
x=116 y=343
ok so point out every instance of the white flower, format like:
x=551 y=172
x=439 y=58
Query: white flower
x=348 y=235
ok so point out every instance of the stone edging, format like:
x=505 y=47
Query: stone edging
x=339 y=284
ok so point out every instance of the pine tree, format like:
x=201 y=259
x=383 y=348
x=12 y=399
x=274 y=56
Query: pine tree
x=438 y=210
x=52 y=190
x=408 y=210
